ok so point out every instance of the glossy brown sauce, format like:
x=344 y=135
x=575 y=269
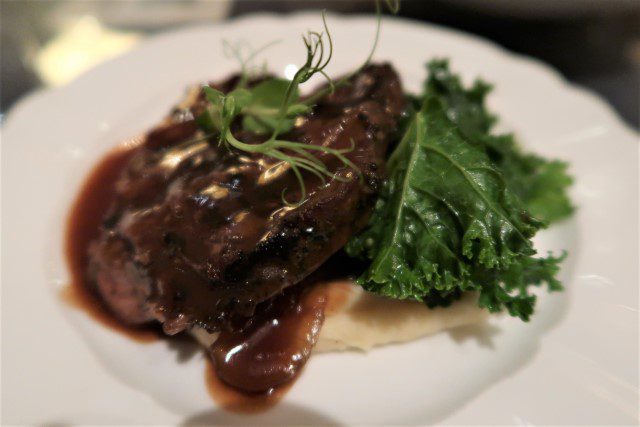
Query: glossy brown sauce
x=249 y=371
x=234 y=400
x=151 y=263
x=200 y=235
x=86 y=215
x=276 y=344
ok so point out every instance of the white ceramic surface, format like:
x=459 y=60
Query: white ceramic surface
x=576 y=362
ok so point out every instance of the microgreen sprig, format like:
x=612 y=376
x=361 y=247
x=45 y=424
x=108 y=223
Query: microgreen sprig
x=271 y=106
x=242 y=52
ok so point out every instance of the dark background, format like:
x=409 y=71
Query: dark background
x=596 y=47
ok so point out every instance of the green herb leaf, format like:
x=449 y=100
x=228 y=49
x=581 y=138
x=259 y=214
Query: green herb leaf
x=540 y=183
x=262 y=125
x=242 y=98
x=464 y=107
x=297 y=110
x=262 y=113
x=271 y=106
x=214 y=96
x=211 y=119
x=447 y=222
x=270 y=93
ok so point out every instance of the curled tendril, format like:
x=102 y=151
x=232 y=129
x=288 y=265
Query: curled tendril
x=299 y=156
x=242 y=52
x=393 y=5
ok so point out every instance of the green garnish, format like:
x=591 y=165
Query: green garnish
x=448 y=219
x=270 y=107
x=540 y=183
x=461 y=204
x=245 y=59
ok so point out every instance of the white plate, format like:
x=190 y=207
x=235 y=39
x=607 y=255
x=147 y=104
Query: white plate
x=576 y=362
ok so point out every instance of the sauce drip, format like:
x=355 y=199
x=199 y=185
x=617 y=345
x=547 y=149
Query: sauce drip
x=276 y=344
x=249 y=371
x=234 y=400
x=83 y=226
x=200 y=235
x=187 y=233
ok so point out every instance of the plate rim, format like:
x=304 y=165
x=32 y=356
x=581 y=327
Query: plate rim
x=541 y=68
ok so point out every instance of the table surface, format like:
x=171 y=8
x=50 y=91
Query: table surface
x=600 y=51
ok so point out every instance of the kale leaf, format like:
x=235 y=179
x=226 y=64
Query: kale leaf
x=540 y=183
x=449 y=219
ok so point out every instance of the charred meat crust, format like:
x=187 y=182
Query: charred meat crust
x=200 y=235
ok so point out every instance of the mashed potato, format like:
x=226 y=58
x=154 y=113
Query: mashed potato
x=359 y=320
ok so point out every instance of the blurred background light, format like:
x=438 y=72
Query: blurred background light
x=78 y=47
x=595 y=43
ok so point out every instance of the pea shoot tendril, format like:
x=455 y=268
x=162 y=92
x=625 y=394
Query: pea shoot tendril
x=271 y=106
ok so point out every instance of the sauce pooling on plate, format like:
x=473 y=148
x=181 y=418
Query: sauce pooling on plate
x=83 y=226
x=271 y=350
x=200 y=234
x=233 y=400
x=183 y=233
x=250 y=369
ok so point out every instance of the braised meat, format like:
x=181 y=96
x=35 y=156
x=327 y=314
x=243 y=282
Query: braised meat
x=200 y=235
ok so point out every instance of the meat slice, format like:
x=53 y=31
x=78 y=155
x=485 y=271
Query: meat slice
x=200 y=235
